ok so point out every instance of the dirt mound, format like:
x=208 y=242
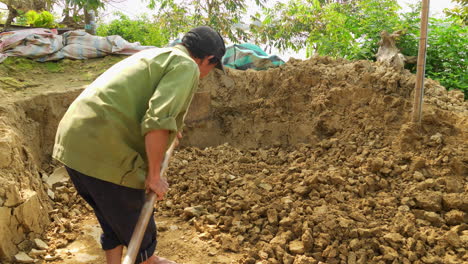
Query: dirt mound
x=312 y=161
x=33 y=98
x=322 y=165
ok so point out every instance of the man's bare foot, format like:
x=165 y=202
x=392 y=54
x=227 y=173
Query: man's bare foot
x=158 y=260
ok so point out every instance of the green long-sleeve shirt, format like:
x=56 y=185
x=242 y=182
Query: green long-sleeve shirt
x=102 y=132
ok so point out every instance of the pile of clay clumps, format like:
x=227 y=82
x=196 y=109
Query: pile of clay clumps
x=324 y=165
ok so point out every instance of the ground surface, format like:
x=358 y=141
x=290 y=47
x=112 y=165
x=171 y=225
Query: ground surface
x=315 y=161
x=178 y=241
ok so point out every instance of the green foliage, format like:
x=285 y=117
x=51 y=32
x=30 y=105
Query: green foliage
x=349 y=29
x=459 y=12
x=410 y=22
x=225 y=16
x=287 y=25
x=142 y=30
x=369 y=19
x=89 y=4
x=447 y=53
x=3 y=16
x=43 y=19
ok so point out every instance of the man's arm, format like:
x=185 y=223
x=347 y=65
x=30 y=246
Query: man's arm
x=156 y=142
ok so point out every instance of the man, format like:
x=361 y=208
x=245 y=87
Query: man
x=113 y=137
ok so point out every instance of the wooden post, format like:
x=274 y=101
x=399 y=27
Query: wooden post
x=421 y=68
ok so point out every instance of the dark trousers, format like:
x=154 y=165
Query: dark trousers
x=117 y=209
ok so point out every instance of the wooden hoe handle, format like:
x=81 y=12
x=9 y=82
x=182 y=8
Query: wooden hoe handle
x=145 y=215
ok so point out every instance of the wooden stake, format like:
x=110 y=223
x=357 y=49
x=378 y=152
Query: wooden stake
x=421 y=68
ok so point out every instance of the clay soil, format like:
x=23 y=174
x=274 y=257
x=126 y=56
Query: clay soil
x=312 y=162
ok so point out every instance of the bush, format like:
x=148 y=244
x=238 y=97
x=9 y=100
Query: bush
x=3 y=17
x=447 y=53
x=141 y=30
x=43 y=19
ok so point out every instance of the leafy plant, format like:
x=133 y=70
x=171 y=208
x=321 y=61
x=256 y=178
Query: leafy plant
x=90 y=4
x=142 y=30
x=459 y=12
x=43 y=19
x=349 y=29
x=3 y=16
x=224 y=16
x=447 y=53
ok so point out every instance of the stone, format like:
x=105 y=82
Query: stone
x=272 y=216
x=61 y=243
x=288 y=259
x=5 y=150
x=286 y=200
x=51 y=257
x=40 y=244
x=394 y=238
x=388 y=252
x=434 y=218
x=296 y=247
x=44 y=176
x=454 y=185
x=9 y=234
x=376 y=164
x=211 y=219
x=32 y=214
x=285 y=222
x=418 y=176
x=25 y=245
x=58 y=178
x=302 y=190
x=267 y=187
x=355 y=244
x=34 y=252
x=301 y=259
x=307 y=240
x=169 y=204
x=357 y=216
x=229 y=244
x=194 y=211
x=51 y=194
x=455 y=217
x=431 y=201
x=281 y=240
x=13 y=196
x=453 y=238
x=457 y=201
x=22 y=257
x=205 y=236
x=352 y=257
x=437 y=138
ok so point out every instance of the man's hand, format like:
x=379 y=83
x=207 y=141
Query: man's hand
x=179 y=136
x=158 y=185
x=155 y=142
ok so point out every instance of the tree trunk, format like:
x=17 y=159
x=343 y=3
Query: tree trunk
x=12 y=13
x=388 y=52
x=90 y=21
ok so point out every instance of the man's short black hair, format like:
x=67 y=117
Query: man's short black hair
x=204 y=41
x=195 y=51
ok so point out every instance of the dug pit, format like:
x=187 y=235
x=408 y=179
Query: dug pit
x=312 y=161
